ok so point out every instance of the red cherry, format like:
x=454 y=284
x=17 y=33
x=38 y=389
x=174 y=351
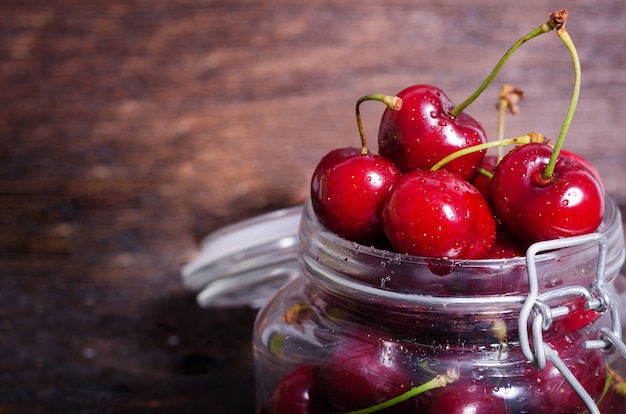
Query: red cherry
x=366 y=368
x=569 y=203
x=422 y=132
x=579 y=316
x=295 y=393
x=506 y=246
x=575 y=157
x=613 y=402
x=348 y=191
x=481 y=181
x=467 y=397
x=547 y=391
x=438 y=214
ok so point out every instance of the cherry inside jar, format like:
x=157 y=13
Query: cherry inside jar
x=366 y=330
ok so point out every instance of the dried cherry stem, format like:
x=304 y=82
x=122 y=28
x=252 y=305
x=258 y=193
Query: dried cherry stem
x=564 y=36
x=523 y=139
x=438 y=381
x=502 y=106
x=394 y=103
x=556 y=20
x=508 y=100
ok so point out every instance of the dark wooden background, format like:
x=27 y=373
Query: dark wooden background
x=131 y=129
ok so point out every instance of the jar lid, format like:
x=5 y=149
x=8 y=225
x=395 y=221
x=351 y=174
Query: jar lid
x=245 y=263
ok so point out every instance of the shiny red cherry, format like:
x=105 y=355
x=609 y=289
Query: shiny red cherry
x=366 y=368
x=295 y=393
x=506 y=246
x=613 y=402
x=575 y=157
x=467 y=397
x=534 y=208
x=438 y=214
x=483 y=182
x=547 y=391
x=348 y=191
x=422 y=132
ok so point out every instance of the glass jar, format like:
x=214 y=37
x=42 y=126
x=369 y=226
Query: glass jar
x=360 y=328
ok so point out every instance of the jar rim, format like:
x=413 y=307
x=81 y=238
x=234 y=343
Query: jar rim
x=611 y=223
x=349 y=268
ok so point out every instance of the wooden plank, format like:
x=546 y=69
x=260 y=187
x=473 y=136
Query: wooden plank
x=131 y=129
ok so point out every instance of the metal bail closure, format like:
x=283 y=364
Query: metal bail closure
x=602 y=299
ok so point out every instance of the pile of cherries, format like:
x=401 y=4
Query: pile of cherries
x=370 y=371
x=397 y=199
x=433 y=191
x=425 y=192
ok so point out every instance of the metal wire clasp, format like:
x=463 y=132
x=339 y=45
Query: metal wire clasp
x=599 y=297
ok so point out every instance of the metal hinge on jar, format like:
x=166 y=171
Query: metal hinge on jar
x=599 y=296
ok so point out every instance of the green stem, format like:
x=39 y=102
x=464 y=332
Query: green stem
x=437 y=382
x=564 y=36
x=394 y=103
x=485 y=172
x=556 y=20
x=523 y=139
x=607 y=386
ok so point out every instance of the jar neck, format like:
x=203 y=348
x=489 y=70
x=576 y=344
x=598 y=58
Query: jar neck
x=430 y=297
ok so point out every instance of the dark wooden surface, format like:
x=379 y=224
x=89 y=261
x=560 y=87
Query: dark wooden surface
x=131 y=129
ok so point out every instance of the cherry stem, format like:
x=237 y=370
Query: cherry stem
x=556 y=20
x=523 y=139
x=485 y=172
x=439 y=381
x=564 y=36
x=610 y=378
x=508 y=99
x=502 y=106
x=394 y=103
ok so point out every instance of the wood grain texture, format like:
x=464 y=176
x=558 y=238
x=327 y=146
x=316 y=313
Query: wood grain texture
x=131 y=129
